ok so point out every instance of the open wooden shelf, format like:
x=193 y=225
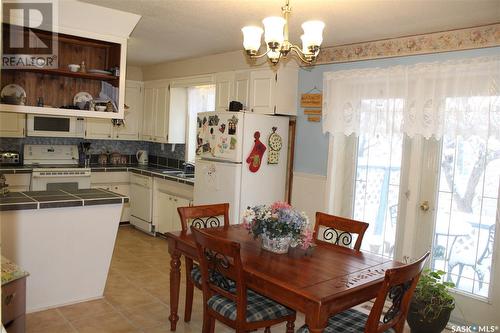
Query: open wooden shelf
x=62 y=72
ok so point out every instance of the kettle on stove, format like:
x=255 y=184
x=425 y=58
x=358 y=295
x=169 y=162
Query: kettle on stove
x=142 y=157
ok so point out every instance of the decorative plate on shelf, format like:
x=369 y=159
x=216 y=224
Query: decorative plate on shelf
x=13 y=94
x=99 y=71
x=82 y=96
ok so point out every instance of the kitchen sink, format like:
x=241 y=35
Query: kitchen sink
x=185 y=175
x=171 y=172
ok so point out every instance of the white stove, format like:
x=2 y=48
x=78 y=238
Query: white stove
x=55 y=167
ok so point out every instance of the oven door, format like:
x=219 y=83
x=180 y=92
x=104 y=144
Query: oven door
x=55 y=126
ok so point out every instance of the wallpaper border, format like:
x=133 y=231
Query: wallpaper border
x=445 y=41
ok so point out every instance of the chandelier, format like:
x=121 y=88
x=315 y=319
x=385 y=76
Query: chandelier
x=276 y=38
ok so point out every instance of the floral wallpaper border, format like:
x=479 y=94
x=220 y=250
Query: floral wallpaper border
x=453 y=40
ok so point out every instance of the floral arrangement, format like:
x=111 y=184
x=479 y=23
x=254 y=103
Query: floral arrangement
x=278 y=220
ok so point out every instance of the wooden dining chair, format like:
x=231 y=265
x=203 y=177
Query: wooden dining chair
x=331 y=229
x=225 y=294
x=204 y=216
x=399 y=285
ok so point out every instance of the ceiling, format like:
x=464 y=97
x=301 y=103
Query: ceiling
x=178 y=29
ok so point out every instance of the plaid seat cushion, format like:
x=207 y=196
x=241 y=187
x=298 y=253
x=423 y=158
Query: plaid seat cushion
x=196 y=278
x=258 y=307
x=349 y=321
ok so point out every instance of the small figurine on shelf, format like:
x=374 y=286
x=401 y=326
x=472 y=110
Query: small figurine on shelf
x=40 y=101
x=83 y=67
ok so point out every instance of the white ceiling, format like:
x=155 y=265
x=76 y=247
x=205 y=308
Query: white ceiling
x=178 y=29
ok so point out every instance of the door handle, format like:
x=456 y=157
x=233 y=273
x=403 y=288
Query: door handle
x=424 y=206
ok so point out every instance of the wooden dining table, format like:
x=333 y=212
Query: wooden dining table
x=328 y=281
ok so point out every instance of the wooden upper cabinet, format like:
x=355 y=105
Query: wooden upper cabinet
x=242 y=87
x=132 y=122
x=56 y=85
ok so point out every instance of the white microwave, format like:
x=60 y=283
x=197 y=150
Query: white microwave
x=59 y=126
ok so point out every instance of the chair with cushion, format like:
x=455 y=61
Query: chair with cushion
x=331 y=229
x=398 y=286
x=225 y=294
x=204 y=216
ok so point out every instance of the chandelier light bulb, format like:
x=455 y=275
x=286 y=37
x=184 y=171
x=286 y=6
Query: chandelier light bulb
x=273 y=27
x=251 y=38
x=313 y=32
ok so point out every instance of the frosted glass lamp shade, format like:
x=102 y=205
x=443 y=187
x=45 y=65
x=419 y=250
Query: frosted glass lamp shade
x=305 y=44
x=313 y=33
x=273 y=27
x=251 y=38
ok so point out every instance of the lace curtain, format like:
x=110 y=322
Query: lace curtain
x=459 y=97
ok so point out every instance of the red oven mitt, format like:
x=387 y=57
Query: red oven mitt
x=255 y=158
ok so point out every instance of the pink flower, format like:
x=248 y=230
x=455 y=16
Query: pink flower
x=279 y=205
x=307 y=238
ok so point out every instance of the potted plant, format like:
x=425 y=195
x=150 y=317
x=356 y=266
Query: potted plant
x=432 y=303
x=279 y=226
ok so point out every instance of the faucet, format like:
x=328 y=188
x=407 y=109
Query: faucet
x=188 y=167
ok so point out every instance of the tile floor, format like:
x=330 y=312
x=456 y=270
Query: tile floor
x=136 y=298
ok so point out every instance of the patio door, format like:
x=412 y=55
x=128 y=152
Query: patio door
x=458 y=218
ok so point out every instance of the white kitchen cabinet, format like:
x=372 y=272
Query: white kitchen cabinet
x=161 y=115
x=149 y=113
x=18 y=182
x=263 y=91
x=118 y=182
x=224 y=90
x=262 y=86
x=168 y=217
x=12 y=125
x=97 y=128
x=132 y=122
x=242 y=87
x=167 y=197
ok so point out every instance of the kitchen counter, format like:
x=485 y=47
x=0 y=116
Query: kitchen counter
x=152 y=171
x=59 y=198
x=10 y=271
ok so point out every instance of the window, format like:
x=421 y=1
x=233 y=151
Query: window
x=199 y=99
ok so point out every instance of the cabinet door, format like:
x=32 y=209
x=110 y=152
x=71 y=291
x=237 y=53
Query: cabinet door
x=241 y=87
x=149 y=113
x=177 y=115
x=161 y=115
x=97 y=128
x=262 y=84
x=130 y=130
x=176 y=203
x=12 y=125
x=164 y=210
x=224 y=84
x=123 y=189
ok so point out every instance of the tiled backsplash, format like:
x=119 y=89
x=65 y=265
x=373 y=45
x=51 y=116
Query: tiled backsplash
x=170 y=152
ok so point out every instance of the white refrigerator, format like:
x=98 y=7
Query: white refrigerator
x=241 y=159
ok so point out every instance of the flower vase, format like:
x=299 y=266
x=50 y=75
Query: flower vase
x=275 y=245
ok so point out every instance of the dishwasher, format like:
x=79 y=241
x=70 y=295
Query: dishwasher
x=141 y=202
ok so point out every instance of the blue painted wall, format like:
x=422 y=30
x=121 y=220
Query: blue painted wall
x=311 y=145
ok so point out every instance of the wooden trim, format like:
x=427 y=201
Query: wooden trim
x=292 y=125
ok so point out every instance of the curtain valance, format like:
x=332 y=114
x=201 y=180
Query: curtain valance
x=428 y=99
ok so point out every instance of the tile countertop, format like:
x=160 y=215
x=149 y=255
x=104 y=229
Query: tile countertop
x=59 y=198
x=11 y=271
x=152 y=171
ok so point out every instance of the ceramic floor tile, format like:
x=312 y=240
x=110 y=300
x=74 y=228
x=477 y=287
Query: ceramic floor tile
x=136 y=298
x=105 y=323
x=44 y=321
x=85 y=309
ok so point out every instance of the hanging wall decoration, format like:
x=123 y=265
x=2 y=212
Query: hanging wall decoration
x=254 y=160
x=275 y=144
